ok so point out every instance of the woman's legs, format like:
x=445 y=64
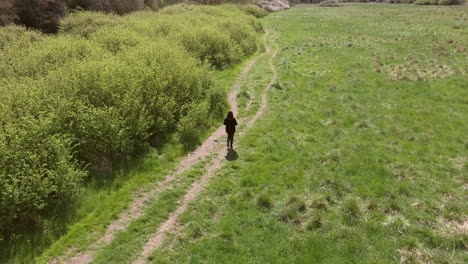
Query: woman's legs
x=230 y=139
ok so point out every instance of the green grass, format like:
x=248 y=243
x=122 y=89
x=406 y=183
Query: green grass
x=127 y=244
x=360 y=156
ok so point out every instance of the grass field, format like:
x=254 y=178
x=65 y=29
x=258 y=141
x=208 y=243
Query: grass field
x=361 y=155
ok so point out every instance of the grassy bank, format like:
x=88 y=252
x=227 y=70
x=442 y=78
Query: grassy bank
x=361 y=154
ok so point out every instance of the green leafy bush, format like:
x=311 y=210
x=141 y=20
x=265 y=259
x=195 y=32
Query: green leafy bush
x=194 y=117
x=117 y=38
x=219 y=35
x=85 y=23
x=46 y=55
x=17 y=37
x=254 y=11
x=37 y=168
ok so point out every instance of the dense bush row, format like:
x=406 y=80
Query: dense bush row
x=101 y=89
x=46 y=14
x=254 y=10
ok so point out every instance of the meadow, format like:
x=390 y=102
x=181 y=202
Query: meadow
x=359 y=157
x=361 y=154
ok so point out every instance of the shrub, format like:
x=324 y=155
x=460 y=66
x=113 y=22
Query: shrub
x=46 y=55
x=254 y=10
x=195 y=116
x=117 y=104
x=330 y=3
x=85 y=23
x=117 y=38
x=209 y=45
x=220 y=36
x=244 y=38
x=171 y=71
x=449 y=2
x=217 y=101
x=36 y=169
x=17 y=37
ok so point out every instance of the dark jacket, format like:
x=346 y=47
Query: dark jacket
x=230 y=124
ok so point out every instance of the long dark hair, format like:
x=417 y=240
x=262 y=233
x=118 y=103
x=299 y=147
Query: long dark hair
x=230 y=115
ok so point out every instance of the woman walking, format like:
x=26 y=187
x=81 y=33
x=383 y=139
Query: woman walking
x=230 y=122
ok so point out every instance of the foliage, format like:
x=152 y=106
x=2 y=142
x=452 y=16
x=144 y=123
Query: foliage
x=85 y=23
x=254 y=10
x=220 y=36
x=96 y=93
x=45 y=55
x=37 y=169
x=14 y=37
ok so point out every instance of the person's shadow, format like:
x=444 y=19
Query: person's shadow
x=231 y=155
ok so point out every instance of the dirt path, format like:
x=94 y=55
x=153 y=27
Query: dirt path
x=171 y=224
x=137 y=206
